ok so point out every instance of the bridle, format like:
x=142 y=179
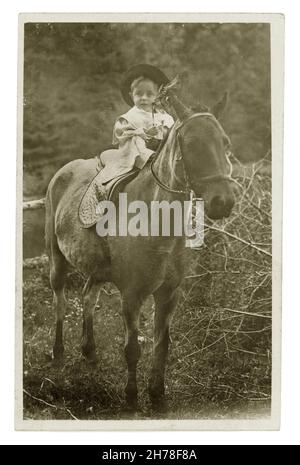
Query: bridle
x=204 y=179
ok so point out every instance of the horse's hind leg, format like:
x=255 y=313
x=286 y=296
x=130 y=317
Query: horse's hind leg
x=131 y=308
x=90 y=296
x=57 y=279
x=58 y=268
x=165 y=303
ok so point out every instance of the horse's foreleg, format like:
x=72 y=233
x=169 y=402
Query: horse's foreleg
x=165 y=303
x=90 y=296
x=131 y=308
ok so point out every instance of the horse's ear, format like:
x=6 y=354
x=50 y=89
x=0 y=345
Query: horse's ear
x=175 y=84
x=219 y=107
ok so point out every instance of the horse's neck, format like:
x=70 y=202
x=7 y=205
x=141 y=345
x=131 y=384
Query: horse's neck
x=168 y=167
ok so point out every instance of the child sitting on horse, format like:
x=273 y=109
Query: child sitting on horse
x=138 y=131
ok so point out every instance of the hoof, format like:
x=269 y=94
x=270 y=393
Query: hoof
x=131 y=405
x=157 y=398
x=58 y=355
x=89 y=354
x=159 y=405
x=131 y=398
x=58 y=362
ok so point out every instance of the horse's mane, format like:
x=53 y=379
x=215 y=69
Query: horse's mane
x=200 y=108
x=163 y=141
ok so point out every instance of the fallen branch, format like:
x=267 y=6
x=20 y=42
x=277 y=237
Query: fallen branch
x=35 y=261
x=213 y=228
x=39 y=400
x=42 y=401
x=34 y=204
x=259 y=315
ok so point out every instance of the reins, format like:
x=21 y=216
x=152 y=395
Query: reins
x=164 y=186
x=204 y=179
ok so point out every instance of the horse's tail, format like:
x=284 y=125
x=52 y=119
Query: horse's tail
x=49 y=222
x=57 y=261
x=53 y=195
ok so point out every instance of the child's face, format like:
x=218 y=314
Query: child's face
x=144 y=94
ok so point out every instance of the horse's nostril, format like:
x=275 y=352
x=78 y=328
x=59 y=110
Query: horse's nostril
x=222 y=205
x=217 y=202
x=230 y=204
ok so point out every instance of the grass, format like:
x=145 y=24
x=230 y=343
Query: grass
x=208 y=365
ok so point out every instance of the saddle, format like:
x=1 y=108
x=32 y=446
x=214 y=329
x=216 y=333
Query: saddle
x=89 y=212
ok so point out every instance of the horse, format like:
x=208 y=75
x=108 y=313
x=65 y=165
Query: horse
x=139 y=266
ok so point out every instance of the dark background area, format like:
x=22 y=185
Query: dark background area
x=72 y=73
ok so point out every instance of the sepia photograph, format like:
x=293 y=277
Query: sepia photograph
x=149 y=221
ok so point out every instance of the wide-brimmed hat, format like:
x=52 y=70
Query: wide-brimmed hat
x=147 y=71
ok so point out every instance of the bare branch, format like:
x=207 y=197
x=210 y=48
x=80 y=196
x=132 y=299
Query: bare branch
x=42 y=401
x=213 y=228
x=259 y=315
x=34 y=204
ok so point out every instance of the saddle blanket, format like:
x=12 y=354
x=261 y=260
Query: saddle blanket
x=89 y=212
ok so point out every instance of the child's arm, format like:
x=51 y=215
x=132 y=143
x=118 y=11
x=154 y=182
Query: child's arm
x=165 y=131
x=160 y=131
x=152 y=131
x=124 y=131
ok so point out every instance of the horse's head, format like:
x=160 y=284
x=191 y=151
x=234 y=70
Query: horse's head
x=204 y=146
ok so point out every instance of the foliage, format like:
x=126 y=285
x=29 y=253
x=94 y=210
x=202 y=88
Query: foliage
x=72 y=73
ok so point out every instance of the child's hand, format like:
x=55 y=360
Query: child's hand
x=153 y=131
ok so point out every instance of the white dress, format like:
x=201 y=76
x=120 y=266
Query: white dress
x=129 y=134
